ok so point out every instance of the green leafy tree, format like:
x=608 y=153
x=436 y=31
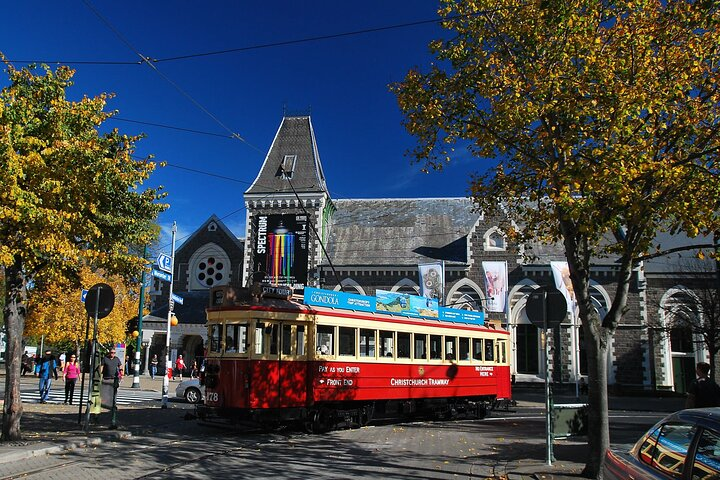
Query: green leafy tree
x=69 y=196
x=603 y=119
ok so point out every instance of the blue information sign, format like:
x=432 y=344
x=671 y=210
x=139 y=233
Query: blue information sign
x=162 y=275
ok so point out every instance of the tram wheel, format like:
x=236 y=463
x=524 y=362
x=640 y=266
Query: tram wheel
x=309 y=422
x=324 y=421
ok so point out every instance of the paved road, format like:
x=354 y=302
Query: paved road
x=508 y=442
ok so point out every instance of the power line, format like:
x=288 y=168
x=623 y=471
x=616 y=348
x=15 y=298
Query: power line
x=171 y=127
x=177 y=87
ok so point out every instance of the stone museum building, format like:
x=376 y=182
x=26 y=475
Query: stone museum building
x=297 y=234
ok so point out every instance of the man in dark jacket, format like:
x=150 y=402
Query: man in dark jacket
x=703 y=392
x=45 y=370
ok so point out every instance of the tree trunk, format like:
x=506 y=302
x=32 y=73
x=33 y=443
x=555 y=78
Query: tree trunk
x=598 y=421
x=14 y=314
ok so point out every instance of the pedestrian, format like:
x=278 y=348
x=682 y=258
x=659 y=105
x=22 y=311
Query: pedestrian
x=180 y=366
x=71 y=372
x=62 y=361
x=703 y=392
x=194 y=369
x=25 y=364
x=45 y=369
x=153 y=366
x=111 y=366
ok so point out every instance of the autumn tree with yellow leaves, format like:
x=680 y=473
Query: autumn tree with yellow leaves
x=70 y=196
x=599 y=123
x=59 y=315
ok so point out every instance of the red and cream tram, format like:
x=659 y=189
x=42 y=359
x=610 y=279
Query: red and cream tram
x=281 y=360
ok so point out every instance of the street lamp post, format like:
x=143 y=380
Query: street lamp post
x=166 y=380
x=141 y=308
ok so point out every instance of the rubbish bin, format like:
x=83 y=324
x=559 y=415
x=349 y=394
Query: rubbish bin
x=568 y=420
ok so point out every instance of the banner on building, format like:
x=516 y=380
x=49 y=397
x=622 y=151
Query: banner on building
x=432 y=280
x=496 y=286
x=281 y=249
x=561 y=275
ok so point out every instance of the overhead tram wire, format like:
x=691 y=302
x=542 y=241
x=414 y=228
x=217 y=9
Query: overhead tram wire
x=281 y=43
x=149 y=62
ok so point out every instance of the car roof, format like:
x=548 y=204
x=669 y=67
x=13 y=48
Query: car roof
x=706 y=417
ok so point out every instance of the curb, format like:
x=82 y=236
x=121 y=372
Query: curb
x=28 y=451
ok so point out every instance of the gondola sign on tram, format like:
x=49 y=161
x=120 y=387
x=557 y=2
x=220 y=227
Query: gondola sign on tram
x=546 y=304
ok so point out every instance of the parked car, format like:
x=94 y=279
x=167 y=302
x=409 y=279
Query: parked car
x=191 y=390
x=683 y=445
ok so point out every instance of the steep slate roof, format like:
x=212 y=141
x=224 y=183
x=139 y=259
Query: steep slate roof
x=198 y=231
x=294 y=137
x=388 y=232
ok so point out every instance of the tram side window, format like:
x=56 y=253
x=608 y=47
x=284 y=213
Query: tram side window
x=286 y=339
x=420 y=347
x=435 y=347
x=403 y=345
x=477 y=345
x=236 y=340
x=259 y=338
x=367 y=343
x=386 y=343
x=346 y=339
x=215 y=334
x=450 y=348
x=464 y=349
x=503 y=349
x=300 y=340
x=489 y=350
x=325 y=340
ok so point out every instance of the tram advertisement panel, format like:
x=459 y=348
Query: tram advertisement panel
x=404 y=304
x=281 y=248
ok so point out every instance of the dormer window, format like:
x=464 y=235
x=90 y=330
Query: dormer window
x=494 y=239
x=287 y=167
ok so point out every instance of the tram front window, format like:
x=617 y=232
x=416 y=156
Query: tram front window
x=259 y=338
x=300 y=340
x=236 y=340
x=287 y=339
x=214 y=335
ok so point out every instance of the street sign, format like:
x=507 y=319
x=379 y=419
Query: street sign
x=100 y=300
x=177 y=298
x=162 y=275
x=546 y=307
x=164 y=262
x=83 y=295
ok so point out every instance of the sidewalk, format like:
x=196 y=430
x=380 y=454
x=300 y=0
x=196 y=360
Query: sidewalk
x=52 y=428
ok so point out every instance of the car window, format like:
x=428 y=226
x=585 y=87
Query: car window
x=707 y=457
x=672 y=447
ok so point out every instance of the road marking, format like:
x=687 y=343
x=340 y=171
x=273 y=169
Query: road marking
x=124 y=396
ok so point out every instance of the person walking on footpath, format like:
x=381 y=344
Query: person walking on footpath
x=45 y=369
x=71 y=372
x=703 y=392
x=153 y=366
x=111 y=366
x=180 y=366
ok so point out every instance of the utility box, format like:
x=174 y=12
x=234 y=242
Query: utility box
x=568 y=420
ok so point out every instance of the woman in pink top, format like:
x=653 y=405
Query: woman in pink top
x=71 y=372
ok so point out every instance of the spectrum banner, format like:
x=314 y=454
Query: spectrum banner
x=281 y=249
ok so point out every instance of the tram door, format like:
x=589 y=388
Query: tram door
x=280 y=373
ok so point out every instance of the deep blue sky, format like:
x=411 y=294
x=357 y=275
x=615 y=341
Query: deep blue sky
x=342 y=81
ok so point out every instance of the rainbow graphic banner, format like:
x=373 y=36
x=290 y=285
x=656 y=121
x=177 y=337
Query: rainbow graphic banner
x=281 y=244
